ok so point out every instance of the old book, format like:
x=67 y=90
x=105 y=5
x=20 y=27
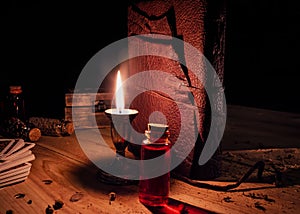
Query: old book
x=87 y=107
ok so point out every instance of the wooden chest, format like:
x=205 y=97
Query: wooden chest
x=85 y=106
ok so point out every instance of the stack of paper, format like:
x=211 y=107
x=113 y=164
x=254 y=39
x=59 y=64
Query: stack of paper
x=15 y=157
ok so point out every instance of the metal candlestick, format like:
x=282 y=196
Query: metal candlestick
x=120 y=134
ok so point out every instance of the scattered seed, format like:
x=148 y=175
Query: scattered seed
x=47 y=181
x=76 y=197
x=49 y=210
x=58 y=204
x=9 y=212
x=19 y=195
x=29 y=202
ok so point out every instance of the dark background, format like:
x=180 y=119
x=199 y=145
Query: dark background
x=262 y=61
x=45 y=45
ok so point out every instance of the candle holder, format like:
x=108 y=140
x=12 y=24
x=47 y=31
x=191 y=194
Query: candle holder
x=120 y=134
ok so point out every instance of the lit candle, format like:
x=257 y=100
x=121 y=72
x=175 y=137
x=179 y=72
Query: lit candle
x=120 y=101
x=121 y=119
x=119 y=94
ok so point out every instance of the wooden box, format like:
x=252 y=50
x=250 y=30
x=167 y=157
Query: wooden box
x=85 y=106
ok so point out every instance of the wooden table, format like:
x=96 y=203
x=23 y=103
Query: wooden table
x=72 y=175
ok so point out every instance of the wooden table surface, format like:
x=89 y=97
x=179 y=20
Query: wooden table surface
x=62 y=161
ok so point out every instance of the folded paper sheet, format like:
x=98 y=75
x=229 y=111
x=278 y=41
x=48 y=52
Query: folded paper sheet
x=15 y=157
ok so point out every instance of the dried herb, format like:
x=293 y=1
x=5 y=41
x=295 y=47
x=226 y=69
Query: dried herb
x=13 y=127
x=52 y=126
x=260 y=166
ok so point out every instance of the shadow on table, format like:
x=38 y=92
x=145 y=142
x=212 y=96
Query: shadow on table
x=174 y=206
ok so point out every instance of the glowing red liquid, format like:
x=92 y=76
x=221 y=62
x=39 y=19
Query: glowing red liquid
x=155 y=191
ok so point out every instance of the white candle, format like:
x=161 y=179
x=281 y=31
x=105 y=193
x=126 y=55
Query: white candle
x=119 y=94
x=120 y=103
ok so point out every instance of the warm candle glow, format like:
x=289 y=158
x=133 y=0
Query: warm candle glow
x=119 y=94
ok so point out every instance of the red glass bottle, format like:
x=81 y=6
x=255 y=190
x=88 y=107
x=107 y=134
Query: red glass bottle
x=155 y=191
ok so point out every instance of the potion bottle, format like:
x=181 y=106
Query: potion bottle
x=154 y=191
x=14 y=106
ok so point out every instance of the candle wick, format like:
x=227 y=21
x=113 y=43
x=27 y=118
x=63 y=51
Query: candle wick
x=120 y=110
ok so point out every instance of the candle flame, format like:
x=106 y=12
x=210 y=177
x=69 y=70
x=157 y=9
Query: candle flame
x=119 y=94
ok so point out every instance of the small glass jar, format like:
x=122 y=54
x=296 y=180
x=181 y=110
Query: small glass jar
x=14 y=106
x=155 y=191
